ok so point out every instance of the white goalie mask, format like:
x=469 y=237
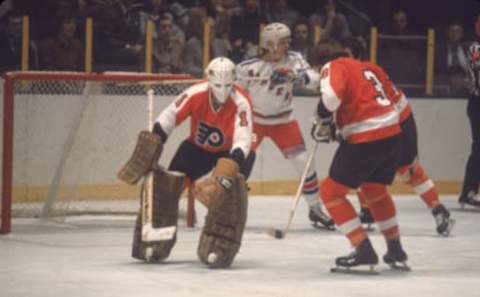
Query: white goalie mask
x=273 y=34
x=220 y=73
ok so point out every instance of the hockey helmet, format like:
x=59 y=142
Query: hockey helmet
x=220 y=73
x=272 y=34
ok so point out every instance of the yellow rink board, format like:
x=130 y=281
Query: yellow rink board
x=122 y=191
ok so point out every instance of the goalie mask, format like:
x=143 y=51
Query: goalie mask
x=275 y=36
x=220 y=73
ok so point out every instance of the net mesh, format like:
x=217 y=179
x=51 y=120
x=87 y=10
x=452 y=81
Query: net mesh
x=70 y=139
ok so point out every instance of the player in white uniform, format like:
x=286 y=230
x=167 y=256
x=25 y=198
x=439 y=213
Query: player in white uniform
x=273 y=106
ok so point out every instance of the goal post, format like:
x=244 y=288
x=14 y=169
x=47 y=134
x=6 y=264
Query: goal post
x=66 y=134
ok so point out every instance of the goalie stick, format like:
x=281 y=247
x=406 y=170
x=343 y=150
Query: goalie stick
x=277 y=233
x=149 y=233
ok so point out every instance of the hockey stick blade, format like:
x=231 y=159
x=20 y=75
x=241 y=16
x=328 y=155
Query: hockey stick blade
x=276 y=233
x=150 y=234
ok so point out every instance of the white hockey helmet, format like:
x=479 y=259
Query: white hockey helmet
x=220 y=73
x=272 y=34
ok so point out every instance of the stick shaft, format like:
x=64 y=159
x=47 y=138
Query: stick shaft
x=299 y=189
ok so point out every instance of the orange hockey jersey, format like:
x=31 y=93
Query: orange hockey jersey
x=395 y=95
x=225 y=129
x=363 y=110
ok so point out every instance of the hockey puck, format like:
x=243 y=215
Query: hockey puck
x=276 y=233
x=212 y=258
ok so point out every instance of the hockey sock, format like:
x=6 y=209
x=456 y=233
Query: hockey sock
x=416 y=177
x=334 y=197
x=382 y=208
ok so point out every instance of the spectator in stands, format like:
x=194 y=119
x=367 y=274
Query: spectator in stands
x=399 y=24
x=152 y=10
x=115 y=46
x=168 y=49
x=11 y=45
x=193 y=52
x=301 y=39
x=63 y=51
x=244 y=30
x=451 y=57
x=452 y=51
x=180 y=16
x=281 y=12
x=397 y=48
x=333 y=23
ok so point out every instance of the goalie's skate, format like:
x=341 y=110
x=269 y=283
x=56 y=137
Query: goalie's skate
x=396 y=257
x=443 y=220
x=366 y=218
x=363 y=255
x=320 y=219
x=470 y=199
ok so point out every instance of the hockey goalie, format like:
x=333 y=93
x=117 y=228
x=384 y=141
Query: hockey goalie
x=219 y=141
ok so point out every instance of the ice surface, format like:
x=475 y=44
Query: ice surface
x=90 y=256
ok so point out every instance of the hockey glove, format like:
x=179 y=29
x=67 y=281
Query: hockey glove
x=324 y=130
x=209 y=190
x=286 y=75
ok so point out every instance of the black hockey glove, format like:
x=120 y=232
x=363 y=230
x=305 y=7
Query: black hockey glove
x=324 y=130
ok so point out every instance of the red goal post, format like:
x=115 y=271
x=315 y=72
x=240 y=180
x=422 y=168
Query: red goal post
x=65 y=134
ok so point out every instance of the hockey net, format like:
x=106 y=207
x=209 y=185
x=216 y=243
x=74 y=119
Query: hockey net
x=65 y=136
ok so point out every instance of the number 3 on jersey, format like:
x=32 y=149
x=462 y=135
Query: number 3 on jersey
x=381 y=97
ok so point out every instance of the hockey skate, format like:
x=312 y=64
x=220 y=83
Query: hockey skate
x=396 y=256
x=443 y=220
x=469 y=199
x=364 y=254
x=320 y=219
x=366 y=218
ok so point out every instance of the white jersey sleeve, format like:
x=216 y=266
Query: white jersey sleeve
x=243 y=126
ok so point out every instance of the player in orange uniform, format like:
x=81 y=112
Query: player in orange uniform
x=410 y=171
x=354 y=101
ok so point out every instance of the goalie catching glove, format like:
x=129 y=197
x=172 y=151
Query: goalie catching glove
x=146 y=154
x=211 y=188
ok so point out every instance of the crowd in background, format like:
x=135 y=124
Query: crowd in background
x=57 y=31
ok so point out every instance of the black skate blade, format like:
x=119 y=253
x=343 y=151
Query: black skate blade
x=320 y=226
x=400 y=266
x=356 y=271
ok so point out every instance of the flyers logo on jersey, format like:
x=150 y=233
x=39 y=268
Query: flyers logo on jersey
x=209 y=135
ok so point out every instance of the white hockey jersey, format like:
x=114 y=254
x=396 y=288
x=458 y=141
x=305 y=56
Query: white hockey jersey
x=273 y=105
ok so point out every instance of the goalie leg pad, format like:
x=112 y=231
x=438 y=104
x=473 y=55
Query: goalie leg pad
x=168 y=187
x=224 y=225
x=146 y=154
